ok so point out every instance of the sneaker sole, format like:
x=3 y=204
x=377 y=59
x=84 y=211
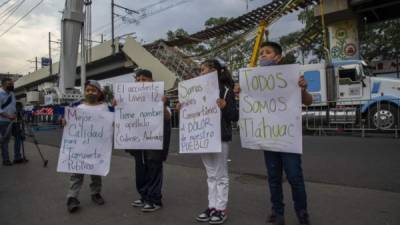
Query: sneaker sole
x=218 y=222
x=203 y=220
x=151 y=210
x=137 y=205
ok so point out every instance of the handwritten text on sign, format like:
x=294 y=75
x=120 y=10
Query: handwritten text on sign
x=270 y=108
x=87 y=142
x=200 y=117
x=139 y=115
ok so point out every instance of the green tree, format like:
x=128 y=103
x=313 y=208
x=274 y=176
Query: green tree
x=380 y=40
x=171 y=35
x=189 y=49
x=236 y=56
x=232 y=48
x=377 y=40
x=290 y=42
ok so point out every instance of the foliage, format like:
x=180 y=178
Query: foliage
x=380 y=40
x=235 y=56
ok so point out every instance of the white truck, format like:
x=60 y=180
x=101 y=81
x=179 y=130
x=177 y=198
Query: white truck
x=345 y=92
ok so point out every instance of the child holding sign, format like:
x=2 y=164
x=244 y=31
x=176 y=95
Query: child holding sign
x=271 y=54
x=149 y=163
x=94 y=98
x=216 y=164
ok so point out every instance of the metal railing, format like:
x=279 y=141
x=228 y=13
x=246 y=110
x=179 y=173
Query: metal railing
x=356 y=116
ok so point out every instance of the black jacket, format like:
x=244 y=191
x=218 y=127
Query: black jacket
x=157 y=155
x=229 y=114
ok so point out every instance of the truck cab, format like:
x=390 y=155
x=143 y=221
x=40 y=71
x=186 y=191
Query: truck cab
x=346 y=92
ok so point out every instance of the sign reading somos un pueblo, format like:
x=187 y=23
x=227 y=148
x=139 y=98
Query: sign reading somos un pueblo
x=87 y=142
x=199 y=117
x=270 y=109
x=139 y=115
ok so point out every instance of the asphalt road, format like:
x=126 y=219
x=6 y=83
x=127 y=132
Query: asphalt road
x=371 y=163
x=33 y=195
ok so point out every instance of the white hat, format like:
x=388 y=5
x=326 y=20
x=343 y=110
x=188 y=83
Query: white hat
x=94 y=83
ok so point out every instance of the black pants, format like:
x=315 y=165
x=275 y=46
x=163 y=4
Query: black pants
x=149 y=177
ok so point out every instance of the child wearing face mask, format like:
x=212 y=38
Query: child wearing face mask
x=94 y=100
x=270 y=54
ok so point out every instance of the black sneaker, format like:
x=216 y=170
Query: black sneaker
x=275 y=219
x=138 y=203
x=206 y=215
x=7 y=163
x=72 y=204
x=303 y=217
x=148 y=207
x=219 y=217
x=19 y=161
x=96 y=198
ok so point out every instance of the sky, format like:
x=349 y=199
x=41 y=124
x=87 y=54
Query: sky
x=29 y=39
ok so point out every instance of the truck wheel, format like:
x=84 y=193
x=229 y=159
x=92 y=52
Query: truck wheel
x=383 y=117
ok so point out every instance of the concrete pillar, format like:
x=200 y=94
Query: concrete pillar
x=343 y=40
x=342 y=25
x=71 y=25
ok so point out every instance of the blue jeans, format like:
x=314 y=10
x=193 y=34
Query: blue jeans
x=277 y=162
x=6 y=140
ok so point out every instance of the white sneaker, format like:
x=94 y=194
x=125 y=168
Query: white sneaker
x=138 y=203
x=206 y=215
x=219 y=217
x=150 y=207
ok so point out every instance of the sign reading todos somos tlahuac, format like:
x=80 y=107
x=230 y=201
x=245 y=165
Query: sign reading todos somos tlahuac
x=86 y=142
x=139 y=115
x=270 y=109
x=199 y=117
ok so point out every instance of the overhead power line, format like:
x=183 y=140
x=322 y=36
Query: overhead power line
x=12 y=12
x=144 y=12
x=4 y=3
x=12 y=26
x=8 y=9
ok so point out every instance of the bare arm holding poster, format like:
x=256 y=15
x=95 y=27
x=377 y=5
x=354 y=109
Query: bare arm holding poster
x=87 y=142
x=200 y=116
x=139 y=115
x=270 y=109
x=306 y=98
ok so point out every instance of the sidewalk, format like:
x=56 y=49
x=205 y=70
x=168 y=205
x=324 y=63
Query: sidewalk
x=33 y=195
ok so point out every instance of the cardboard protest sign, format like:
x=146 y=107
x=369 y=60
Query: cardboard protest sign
x=139 y=115
x=199 y=117
x=87 y=142
x=270 y=109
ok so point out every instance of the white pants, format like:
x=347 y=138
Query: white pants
x=216 y=165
